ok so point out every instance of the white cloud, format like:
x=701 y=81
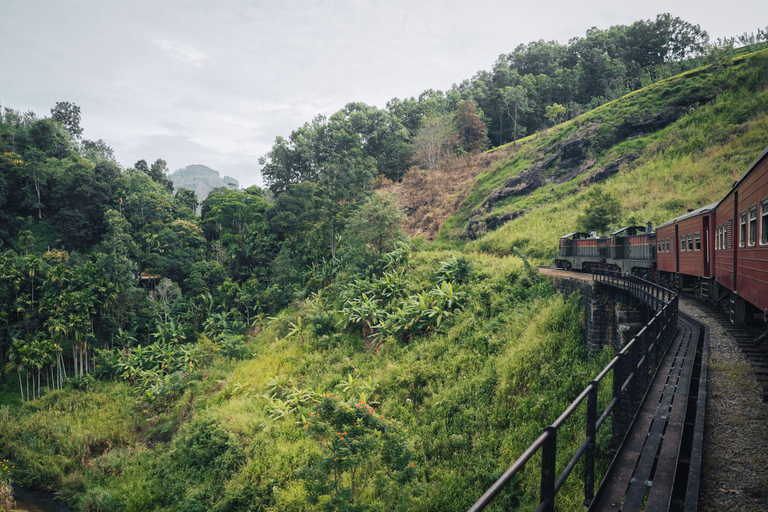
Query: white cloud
x=182 y=51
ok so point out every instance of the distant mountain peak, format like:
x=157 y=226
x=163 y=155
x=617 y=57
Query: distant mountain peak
x=202 y=179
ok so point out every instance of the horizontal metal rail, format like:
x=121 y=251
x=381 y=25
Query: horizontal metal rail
x=632 y=372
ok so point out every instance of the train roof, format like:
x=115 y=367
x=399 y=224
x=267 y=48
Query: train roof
x=691 y=214
x=569 y=235
x=743 y=176
x=634 y=230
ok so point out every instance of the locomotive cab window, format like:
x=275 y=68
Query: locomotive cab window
x=764 y=222
x=697 y=241
x=743 y=229
x=753 y=225
x=690 y=242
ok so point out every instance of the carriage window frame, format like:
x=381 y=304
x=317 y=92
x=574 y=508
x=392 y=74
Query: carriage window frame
x=752 y=226
x=690 y=242
x=717 y=238
x=764 y=221
x=682 y=243
x=743 y=228
x=697 y=241
x=723 y=245
x=671 y=244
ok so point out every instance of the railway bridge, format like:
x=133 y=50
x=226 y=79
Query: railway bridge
x=655 y=408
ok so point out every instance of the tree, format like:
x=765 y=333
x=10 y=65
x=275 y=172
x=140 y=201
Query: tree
x=601 y=210
x=471 y=129
x=97 y=150
x=515 y=102
x=434 y=140
x=376 y=226
x=142 y=166
x=51 y=138
x=362 y=453
x=186 y=198
x=159 y=174
x=555 y=113
x=68 y=115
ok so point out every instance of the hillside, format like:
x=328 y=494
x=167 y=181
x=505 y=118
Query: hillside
x=264 y=372
x=690 y=135
x=200 y=178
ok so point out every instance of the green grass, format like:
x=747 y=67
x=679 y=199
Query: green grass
x=470 y=397
x=718 y=137
x=688 y=164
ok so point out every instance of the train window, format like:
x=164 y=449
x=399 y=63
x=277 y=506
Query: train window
x=753 y=225
x=743 y=229
x=764 y=223
x=670 y=245
x=697 y=241
x=717 y=238
x=690 y=242
x=682 y=243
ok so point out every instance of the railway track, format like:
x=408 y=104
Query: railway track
x=745 y=336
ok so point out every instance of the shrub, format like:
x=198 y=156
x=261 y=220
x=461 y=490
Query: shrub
x=457 y=270
x=365 y=454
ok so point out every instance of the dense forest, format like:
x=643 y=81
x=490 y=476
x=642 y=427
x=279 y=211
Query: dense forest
x=292 y=349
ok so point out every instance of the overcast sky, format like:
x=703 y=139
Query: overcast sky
x=214 y=82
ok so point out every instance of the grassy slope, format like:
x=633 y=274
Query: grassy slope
x=470 y=398
x=691 y=162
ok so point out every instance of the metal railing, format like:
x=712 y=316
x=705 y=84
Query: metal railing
x=633 y=368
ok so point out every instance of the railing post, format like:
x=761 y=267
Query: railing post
x=548 y=469
x=645 y=370
x=616 y=416
x=589 y=454
x=635 y=385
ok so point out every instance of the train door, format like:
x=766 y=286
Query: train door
x=705 y=245
x=736 y=239
x=676 y=243
x=618 y=247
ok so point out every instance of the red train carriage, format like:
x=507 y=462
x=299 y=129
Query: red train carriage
x=741 y=241
x=684 y=251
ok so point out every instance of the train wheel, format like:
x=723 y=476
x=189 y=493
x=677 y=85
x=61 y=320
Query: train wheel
x=567 y=265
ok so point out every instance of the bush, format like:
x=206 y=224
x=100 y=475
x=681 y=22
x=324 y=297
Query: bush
x=365 y=454
x=457 y=270
x=322 y=323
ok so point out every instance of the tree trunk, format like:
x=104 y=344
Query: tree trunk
x=514 y=133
